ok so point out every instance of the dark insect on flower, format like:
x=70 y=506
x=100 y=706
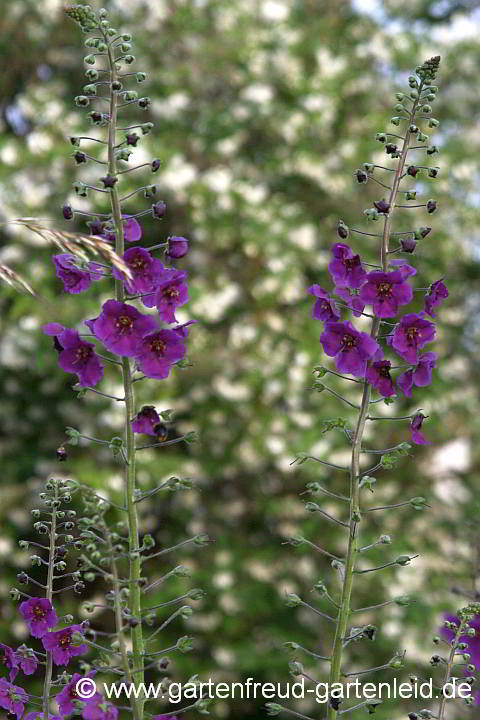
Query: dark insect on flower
x=412 y=170
x=415 y=426
x=408 y=244
x=80 y=157
x=431 y=206
x=62 y=454
x=109 y=181
x=382 y=206
x=146 y=421
x=361 y=176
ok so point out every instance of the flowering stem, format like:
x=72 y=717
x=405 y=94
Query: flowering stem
x=448 y=672
x=135 y=567
x=49 y=595
x=355 y=475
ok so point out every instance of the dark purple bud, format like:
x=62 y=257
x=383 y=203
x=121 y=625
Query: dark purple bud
x=109 y=181
x=159 y=209
x=433 y=172
x=132 y=622
x=144 y=103
x=132 y=139
x=67 y=211
x=117 y=85
x=96 y=227
x=342 y=230
x=382 y=206
x=412 y=170
x=61 y=552
x=177 y=247
x=22 y=578
x=413 y=129
x=361 y=176
x=431 y=206
x=161 y=431
x=164 y=663
x=96 y=117
x=62 y=454
x=156 y=165
x=80 y=157
x=79 y=587
x=408 y=244
x=391 y=148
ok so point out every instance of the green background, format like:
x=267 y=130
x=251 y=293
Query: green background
x=262 y=111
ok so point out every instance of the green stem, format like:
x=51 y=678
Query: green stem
x=344 y=612
x=448 y=673
x=49 y=595
x=135 y=566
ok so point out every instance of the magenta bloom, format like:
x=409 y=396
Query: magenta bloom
x=421 y=375
x=416 y=427
x=36 y=715
x=10 y=660
x=39 y=614
x=60 y=644
x=403 y=267
x=75 y=280
x=76 y=355
x=386 y=291
x=132 y=230
x=12 y=698
x=350 y=348
x=346 y=268
x=177 y=247
x=324 y=307
x=356 y=305
x=158 y=351
x=145 y=271
x=378 y=375
x=172 y=292
x=411 y=334
x=68 y=695
x=148 y=421
x=436 y=295
x=96 y=708
x=27 y=659
x=121 y=327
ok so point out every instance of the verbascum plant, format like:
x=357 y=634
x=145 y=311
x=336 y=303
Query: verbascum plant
x=393 y=358
x=135 y=337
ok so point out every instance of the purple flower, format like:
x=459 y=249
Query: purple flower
x=132 y=230
x=27 y=659
x=386 y=291
x=346 y=268
x=436 y=295
x=404 y=268
x=177 y=247
x=60 y=644
x=350 y=348
x=67 y=697
x=121 y=327
x=75 y=280
x=416 y=427
x=420 y=376
x=147 y=421
x=352 y=299
x=35 y=715
x=10 y=660
x=158 y=351
x=96 y=708
x=324 y=307
x=40 y=616
x=76 y=355
x=412 y=333
x=172 y=292
x=12 y=698
x=145 y=270
x=378 y=375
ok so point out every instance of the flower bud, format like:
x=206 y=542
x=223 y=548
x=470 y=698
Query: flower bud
x=22 y=578
x=123 y=154
x=403 y=560
x=433 y=172
x=202 y=539
x=361 y=176
x=382 y=206
x=403 y=601
x=80 y=157
x=413 y=129
x=146 y=127
x=159 y=209
x=342 y=230
x=109 y=181
x=155 y=165
x=426 y=109
x=408 y=244
x=395 y=120
x=67 y=211
x=292 y=600
x=431 y=206
x=150 y=191
x=381 y=137
x=141 y=77
x=144 y=103
x=80 y=188
x=129 y=59
x=177 y=247
x=391 y=148
x=89 y=59
x=82 y=101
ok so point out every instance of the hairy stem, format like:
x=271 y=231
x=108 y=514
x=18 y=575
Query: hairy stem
x=448 y=673
x=135 y=566
x=49 y=595
x=353 y=546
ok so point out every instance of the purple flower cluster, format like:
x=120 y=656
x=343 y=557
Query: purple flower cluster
x=472 y=642
x=121 y=327
x=386 y=291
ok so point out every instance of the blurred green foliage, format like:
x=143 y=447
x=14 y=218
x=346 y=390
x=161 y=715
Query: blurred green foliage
x=263 y=110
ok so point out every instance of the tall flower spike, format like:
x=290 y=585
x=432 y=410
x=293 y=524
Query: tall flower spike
x=368 y=358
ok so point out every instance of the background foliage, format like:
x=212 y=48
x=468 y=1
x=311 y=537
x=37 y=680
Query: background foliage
x=263 y=110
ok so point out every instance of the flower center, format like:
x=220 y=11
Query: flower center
x=65 y=641
x=82 y=353
x=124 y=322
x=412 y=334
x=158 y=346
x=138 y=263
x=39 y=611
x=384 y=372
x=171 y=293
x=349 y=342
x=384 y=290
x=350 y=263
